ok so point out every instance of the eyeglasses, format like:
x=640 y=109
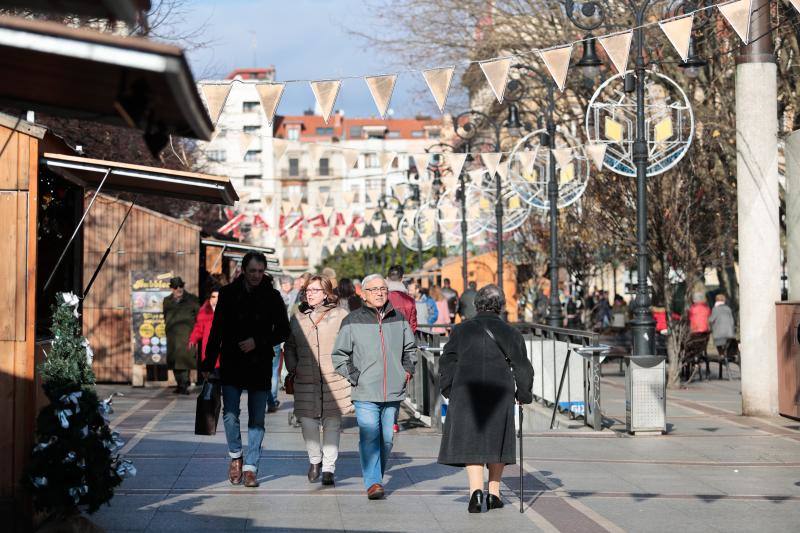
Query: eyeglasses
x=315 y=290
x=377 y=290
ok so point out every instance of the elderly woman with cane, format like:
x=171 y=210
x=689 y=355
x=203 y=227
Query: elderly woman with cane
x=480 y=366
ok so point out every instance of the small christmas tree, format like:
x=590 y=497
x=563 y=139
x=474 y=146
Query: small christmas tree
x=75 y=463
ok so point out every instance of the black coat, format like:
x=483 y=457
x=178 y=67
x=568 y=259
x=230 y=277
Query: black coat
x=474 y=375
x=241 y=314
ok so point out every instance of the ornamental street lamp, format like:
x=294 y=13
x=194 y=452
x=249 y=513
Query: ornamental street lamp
x=468 y=126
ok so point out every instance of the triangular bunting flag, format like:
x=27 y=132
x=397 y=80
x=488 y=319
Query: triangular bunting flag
x=385 y=159
x=380 y=240
x=314 y=153
x=679 y=33
x=502 y=170
x=526 y=160
x=244 y=141
x=295 y=197
x=381 y=88
x=325 y=92
x=350 y=158
x=279 y=147
x=438 y=80
x=597 y=153
x=360 y=227
x=349 y=196
x=270 y=96
x=490 y=161
x=377 y=225
x=394 y=239
x=286 y=207
x=423 y=160
x=618 y=47
x=326 y=214
x=216 y=94
x=563 y=156
x=291 y=234
x=496 y=72
x=322 y=199
x=476 y=176
x=557 y=62
x=455 y=161
x=738 y=16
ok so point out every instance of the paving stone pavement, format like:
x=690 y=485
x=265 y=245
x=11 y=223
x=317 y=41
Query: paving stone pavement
x=714 y=470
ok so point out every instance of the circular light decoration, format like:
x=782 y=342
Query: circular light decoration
x=669 y=123
x=450 y=213
x=530 y=169
x=426 y=224
x=515 y=211
x=407 y=231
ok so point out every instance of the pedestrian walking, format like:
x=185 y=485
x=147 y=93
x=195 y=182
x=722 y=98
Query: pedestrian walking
x=478 y=370
x=399 y=297
x=321 y=395
x=723 y=325
x=451 y=295
x=250 y=319
x=375 y=351
x=466 y=304
x=180 y=310
x=699 y=313
x=442 y=306
x=198 y=340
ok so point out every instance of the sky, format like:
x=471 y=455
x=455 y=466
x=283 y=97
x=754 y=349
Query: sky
x=304 y=40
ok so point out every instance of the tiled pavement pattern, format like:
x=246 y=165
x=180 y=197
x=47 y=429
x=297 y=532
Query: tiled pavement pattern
x=714 y=471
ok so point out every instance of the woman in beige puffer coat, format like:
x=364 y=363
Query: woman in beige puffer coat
x=321 y=395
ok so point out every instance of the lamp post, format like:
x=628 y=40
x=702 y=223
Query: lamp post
x=468 y=126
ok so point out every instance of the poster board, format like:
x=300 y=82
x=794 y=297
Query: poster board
x=148 y=334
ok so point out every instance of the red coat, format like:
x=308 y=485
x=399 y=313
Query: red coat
x=405 y=304
x=202 y=328
x=698 y=317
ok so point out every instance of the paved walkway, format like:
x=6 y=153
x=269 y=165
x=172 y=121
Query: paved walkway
x=714 y=471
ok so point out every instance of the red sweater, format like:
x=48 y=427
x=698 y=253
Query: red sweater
x=202 y=328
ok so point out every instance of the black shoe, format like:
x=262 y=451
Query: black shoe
x=273 y=407
x=493 y=502
x=313 y=472
x=327 y=478
x=475 y=502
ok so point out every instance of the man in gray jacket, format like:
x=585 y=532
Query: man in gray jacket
x=375 y=351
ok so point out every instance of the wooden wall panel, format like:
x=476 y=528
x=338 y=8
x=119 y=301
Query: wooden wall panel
x=7 y=385
x=9 y=162
x=10 y=278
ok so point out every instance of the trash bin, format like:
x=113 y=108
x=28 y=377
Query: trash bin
x=646 y=394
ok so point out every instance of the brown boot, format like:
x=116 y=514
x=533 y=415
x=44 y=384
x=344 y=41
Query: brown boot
x=375 y=492
x=235 y=471
x=250 y=479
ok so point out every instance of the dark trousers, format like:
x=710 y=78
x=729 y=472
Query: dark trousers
x=182 y=378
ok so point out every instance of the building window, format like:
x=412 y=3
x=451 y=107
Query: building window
x=294 y=166
x=293 y=134
x=433 y=133
x=324 y=131
x=254 y=201
x=371 y=161
x=218 y=156
x=324 y=166
x=252 y=179
x=252 y=155
x=250 y=107
x=355 y=132
x=396 y=162
x=393 y=135
x=376 y=135
x=417 y=134
x=252 y=129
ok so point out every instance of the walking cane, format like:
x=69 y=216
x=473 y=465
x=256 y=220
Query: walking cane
x=521 y=471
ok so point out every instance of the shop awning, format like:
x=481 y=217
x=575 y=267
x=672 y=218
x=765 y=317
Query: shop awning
x=242 y=247
x=85 y=74
x=129 y=11
x=142 y=180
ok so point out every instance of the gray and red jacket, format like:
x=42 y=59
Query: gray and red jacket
x=374 y=350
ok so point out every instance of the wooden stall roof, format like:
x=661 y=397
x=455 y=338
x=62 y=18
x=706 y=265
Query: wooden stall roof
x=85 y=74
x=144 y=180
x=238 y=246
x=129 y=11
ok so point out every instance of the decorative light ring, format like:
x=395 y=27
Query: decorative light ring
x=669 y=123
x=407 y=231
x=449 y=209
x=532 y=185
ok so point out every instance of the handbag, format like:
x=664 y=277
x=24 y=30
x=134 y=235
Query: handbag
x=209 y=402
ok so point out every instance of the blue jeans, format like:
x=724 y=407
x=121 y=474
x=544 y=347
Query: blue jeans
x=256 y=405
x=375 y=434
x=272 y=394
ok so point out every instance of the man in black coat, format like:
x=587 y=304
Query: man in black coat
x=250 y=319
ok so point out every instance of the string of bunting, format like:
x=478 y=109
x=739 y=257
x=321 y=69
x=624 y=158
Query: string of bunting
x=556 y=59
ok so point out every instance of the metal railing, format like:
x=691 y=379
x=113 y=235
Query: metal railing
x=566 y=367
